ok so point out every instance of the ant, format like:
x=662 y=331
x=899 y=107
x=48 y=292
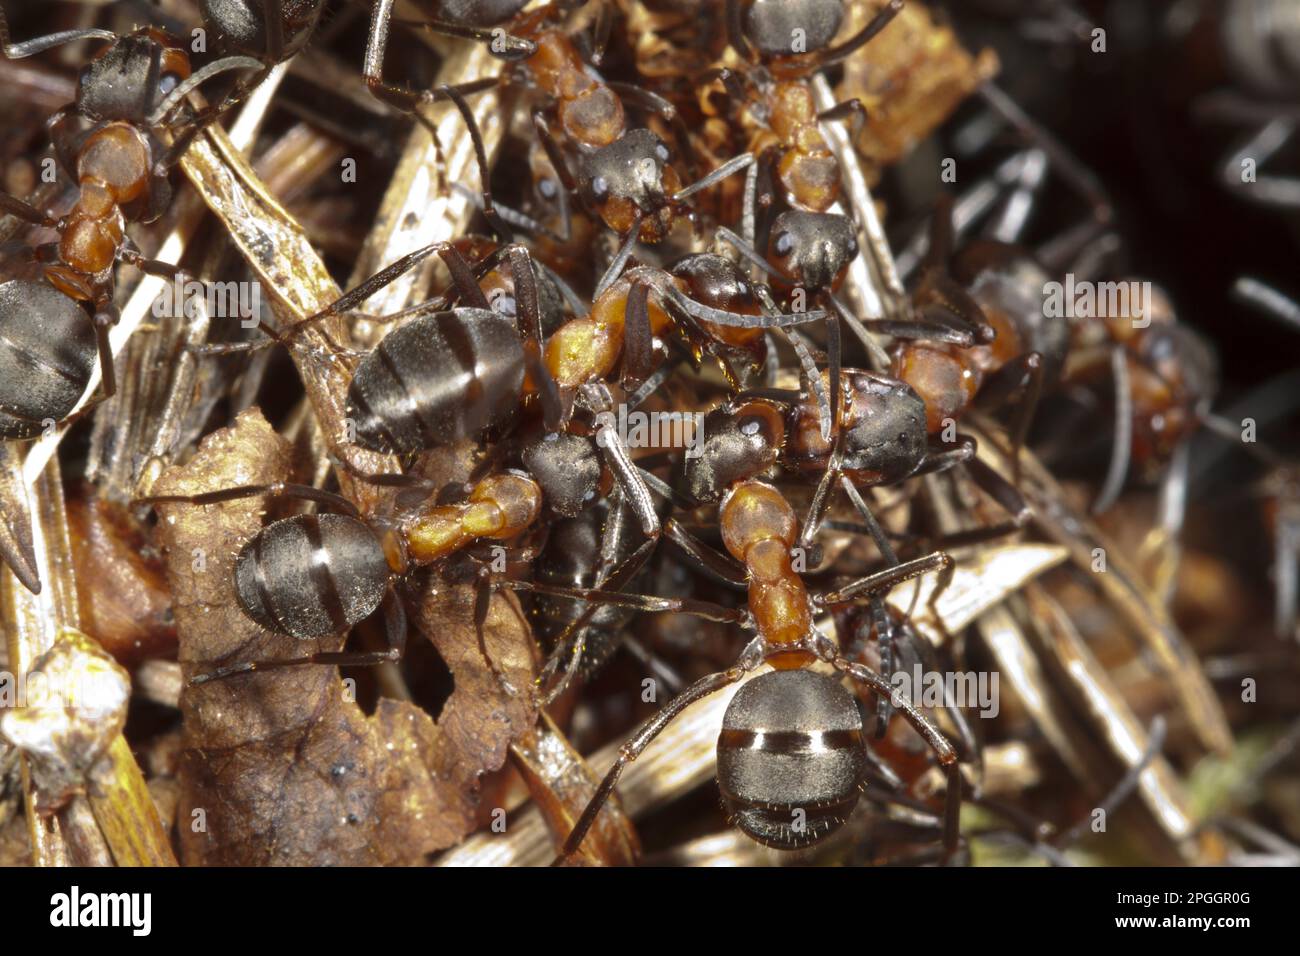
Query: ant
x=126 y=96
x=315 y=575
x=1006 y=346
x=792 y=715
x=625 y=175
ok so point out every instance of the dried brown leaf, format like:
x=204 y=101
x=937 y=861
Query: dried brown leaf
x=279 y=767
x=481 y=717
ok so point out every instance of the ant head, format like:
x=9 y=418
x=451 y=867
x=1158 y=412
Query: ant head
x=1180 y=356
x=790 y=758
x=130 y=76
x=568 y=469
x=240 y=26
x=714 y=280
x=792 y=27
x=740 y=441
x=884 y=427
x=631 y=175
x=1007 y=284
x=812 y=249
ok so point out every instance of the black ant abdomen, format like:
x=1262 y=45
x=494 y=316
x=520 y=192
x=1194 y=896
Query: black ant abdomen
x=437 y=379
x=240 y=25
x=285 y=576
x=49 y=355
x=790 y=758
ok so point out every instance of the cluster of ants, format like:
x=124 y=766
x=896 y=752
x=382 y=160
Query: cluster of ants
x=513 y=356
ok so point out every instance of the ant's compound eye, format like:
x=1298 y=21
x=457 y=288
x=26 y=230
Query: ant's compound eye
x=784 y=244
x=83 y=77
x=168 y=82
x=662 y=152
x=600 y=188
x=548 y=189
x=750 y=426
x=851 y=247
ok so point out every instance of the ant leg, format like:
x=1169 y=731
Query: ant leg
x=1072 y=169
x=1265 y=189
x=480 y=156
x=106 y=316
x=638 y=340
x=355 y=296
x=553 y=152
x=502 y=45
x=400 y=97
x=646 y=733
x=930 y=327
x=620 y=259
x=874 y=349
x=889 y=578
x=883 y=623
x=746 y=248
x=1123 y=441
x=717 y=565
x=394 y=629
x=1286 y=549
x=1004 y=492
x=482 y=600
x=13 y=206
x=940 y=744
x=640 y=602
x=876 y=532
x=600 y=33
x=1019 y=381
x=938 y=461
x=812 y=380
x=853 y=110
x=657 y=104
x=817 y=507
x=862 y=37
x=1124 y=787
x=281 y=489
x=730 y=167
x=765 y=320
x=1268 y=300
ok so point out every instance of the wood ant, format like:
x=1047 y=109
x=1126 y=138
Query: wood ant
x=625 y=175
x=315 y=575
x=110 y=141
x=793 y=717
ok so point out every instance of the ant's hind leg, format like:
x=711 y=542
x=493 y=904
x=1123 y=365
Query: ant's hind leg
x=394 y=629
x=646 y=733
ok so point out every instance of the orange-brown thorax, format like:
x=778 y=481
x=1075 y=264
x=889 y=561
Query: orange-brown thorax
x=589 y=111
x=113 y=169
x=759 y=527
x=947 y=376
x=588 y=350
x=807 y=168
x=499 y=507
